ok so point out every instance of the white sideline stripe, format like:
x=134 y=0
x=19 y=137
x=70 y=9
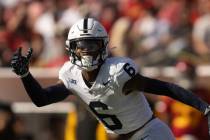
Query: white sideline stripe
x=203 y=71
x=25 y=107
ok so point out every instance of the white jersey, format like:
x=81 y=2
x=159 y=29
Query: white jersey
x=119 y=113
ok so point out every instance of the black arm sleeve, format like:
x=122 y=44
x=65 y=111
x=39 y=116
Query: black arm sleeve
x=176 y=92
x=44 y=96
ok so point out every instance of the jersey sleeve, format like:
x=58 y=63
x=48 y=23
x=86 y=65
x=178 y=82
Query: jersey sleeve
x=125 y=70
x=63 y=73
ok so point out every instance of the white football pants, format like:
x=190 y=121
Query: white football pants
x=154 y=130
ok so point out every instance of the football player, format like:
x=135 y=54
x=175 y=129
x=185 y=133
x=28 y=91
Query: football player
x=110 y=87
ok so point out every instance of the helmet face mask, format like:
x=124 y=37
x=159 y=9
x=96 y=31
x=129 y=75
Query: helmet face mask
x=87 y=44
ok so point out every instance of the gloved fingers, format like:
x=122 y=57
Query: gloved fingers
x=14 y=58
x=17 y=56
x=14 y=63
x=29 y=54
x=18 y=52
x=14 y=66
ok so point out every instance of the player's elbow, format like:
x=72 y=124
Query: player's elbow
x=39 y=104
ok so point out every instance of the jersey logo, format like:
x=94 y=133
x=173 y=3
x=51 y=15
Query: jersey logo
x=106 y=83
x=73 y=81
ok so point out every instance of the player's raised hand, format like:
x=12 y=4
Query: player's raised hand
x=20 y=63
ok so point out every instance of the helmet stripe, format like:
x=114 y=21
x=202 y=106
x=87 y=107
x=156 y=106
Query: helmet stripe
x=85 y=25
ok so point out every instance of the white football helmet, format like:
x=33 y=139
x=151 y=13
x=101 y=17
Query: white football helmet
x=87 y=29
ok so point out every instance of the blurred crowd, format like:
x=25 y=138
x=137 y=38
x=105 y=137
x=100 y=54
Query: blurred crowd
x=12 y=127
x=152 y=32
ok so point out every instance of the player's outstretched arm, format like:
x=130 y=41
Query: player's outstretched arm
x=158 y=87
x=154 y=86
x=39 y=96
